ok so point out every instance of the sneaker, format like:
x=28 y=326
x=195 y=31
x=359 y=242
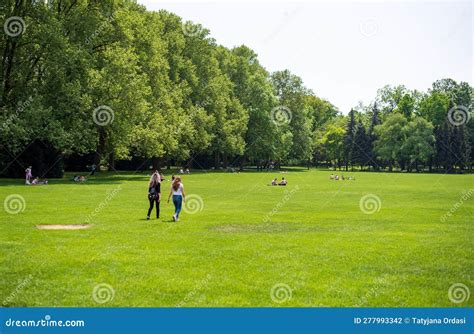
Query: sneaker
x=174 y=217
x=147 y=217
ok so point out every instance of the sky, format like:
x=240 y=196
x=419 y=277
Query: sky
x=344 y=50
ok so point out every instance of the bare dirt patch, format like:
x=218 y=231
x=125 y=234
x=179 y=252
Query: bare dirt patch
x=63 y=227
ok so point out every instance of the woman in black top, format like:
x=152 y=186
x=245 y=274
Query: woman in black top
x=154 y=194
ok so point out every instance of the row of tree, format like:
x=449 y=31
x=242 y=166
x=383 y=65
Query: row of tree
x=100 y=81
x=409 y=130
x=112 y=78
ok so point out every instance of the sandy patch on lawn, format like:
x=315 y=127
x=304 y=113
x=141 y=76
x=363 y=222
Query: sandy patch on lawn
x=63 y=227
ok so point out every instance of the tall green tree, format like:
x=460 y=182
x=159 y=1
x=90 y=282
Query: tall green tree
x=360 y=150
x=292 y=99
x=418 y=145
x=349 y=139
x=390 y=137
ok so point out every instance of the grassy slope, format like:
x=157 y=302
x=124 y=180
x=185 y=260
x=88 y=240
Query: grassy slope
x=319 y=242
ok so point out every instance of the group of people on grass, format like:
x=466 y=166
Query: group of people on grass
x=154 y=194
x=336 y=177
x=29 y=180
x=283 y=182
x=83 y=178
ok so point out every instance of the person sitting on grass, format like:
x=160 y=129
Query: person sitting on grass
x=342 y=177
x=331 y=177
x=38 y=182
x=79 y=178
x=179 y=196
x=154 y=194
x=274 y=182
x=336 y=177
x=283 y=182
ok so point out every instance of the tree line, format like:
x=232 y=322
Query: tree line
x=103 y=82
x=403 y=129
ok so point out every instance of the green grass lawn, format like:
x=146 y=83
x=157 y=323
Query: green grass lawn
x=248 y=244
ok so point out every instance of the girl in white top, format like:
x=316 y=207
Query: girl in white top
x=177 y=190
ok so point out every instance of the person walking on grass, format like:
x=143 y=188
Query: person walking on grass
x=154 y=194
x=179 y=197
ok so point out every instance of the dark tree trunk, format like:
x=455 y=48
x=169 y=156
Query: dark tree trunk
x=101 y=145
x=156 y=163
x=111 y=161
x=225 y=161
x=189 y=164
x=216 y=160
